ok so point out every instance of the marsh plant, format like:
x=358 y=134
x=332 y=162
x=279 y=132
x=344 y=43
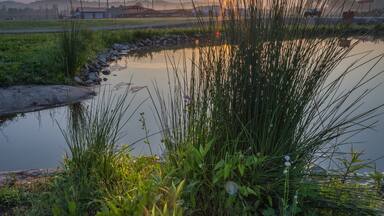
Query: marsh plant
x=266 y=93
x=99 y=176
x=74 y=47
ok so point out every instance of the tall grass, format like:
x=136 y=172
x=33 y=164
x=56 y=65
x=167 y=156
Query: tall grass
x=74 y=47
x=263 y=95
x=100 y=177
x=90 y=169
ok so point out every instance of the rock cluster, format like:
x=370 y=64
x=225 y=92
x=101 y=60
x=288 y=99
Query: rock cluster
x=25 y=176
x=90 y=73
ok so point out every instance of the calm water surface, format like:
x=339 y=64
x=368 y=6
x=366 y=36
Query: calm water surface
x=34 y=140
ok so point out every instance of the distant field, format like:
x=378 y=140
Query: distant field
x=57 y=24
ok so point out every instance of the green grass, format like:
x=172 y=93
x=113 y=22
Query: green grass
x=25 y=59
x=57 y=24
x=35 y=58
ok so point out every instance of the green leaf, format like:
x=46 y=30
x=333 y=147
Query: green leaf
x=227 y=170
x=241 y=168
x=72 y=208
x=269 y=212
x=219 y=165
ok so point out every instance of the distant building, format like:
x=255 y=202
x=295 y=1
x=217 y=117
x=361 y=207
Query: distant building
x=91 y=13
x=136 y=10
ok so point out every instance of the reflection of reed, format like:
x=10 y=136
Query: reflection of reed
x=8 y=118
x=76 y=115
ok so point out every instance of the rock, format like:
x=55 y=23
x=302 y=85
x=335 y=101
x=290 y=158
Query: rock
x=102 y=59
x=18 y=99
x=25 y=177
x=92 y=69
x=78 y=80
x=106 y=72
x=93 y=76
x=105 y=79
x=117 y=46
x=148 y=41
x=123 y=52
x=89 y=82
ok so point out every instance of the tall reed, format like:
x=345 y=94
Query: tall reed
x=264 y=94
x=75 y=44
x=92 y=167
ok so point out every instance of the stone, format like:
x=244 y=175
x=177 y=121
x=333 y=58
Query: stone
x=123 y=52
x=148 y=41
x=18 y=99
x=106 y=72
x=117 y=46
x=105 y=79
x=89 y=82
x=25 y=176
x=78 y=80
x=93 y=76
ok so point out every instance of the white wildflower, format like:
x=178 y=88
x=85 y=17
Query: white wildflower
x=287 y=158
x=287 y=164
x=231 y=188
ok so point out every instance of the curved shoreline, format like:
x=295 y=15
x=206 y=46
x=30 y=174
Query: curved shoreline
x=30 y=98
x=90 y=73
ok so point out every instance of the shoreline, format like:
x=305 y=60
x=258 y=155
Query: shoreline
x=30 y=98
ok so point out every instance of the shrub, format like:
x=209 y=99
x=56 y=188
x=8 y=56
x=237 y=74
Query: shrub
x=76 y=45
x=262 y=96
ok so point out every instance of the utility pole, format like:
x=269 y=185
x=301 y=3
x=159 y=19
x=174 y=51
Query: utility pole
x=107 y=4
x=82 y=11
x=99 y=3
x=71 y=7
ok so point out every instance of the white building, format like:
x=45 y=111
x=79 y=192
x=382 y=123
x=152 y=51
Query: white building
x=91 y=13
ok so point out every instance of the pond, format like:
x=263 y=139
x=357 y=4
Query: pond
x=34 y=140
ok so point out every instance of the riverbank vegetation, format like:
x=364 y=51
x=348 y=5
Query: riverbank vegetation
x=44 y=58
x=89 y=23
x=47 y=58
x=242 y=130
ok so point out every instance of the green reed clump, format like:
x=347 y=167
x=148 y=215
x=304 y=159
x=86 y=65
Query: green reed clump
x=262 y=96
x=75 y=46
x=90 y=170
x=101 y=178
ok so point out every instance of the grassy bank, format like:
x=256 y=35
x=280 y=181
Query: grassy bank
x=57 y=24
x=35 y=58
